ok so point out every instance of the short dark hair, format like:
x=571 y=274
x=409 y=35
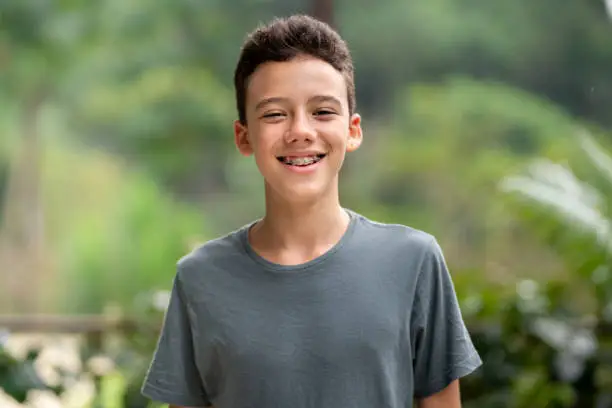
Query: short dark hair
x=284 y=39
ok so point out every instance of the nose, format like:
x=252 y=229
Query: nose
x=300 y=129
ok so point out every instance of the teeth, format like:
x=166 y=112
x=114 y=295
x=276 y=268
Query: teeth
x=301 y=161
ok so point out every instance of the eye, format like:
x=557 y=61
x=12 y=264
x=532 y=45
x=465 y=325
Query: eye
x=324 y=112
x=272 y=115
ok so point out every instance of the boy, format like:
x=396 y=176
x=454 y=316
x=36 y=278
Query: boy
x=313 y=305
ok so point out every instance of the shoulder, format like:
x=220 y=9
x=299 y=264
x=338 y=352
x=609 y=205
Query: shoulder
x=209 y=255
x=399 y=238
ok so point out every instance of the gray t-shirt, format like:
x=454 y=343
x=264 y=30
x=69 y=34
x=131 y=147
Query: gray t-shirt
x=374 y=322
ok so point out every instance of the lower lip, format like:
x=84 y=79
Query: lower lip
x=303 y=169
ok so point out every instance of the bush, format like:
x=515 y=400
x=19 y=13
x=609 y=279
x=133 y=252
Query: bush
x=550 y=345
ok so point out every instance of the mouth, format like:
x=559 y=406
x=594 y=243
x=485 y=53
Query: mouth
x=300 y=161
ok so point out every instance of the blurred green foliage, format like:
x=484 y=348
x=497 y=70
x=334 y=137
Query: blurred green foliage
x=121 y=236
x=568 y=347
x=130 y=103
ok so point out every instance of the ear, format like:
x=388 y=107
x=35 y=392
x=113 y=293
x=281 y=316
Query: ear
x=355 y=134
x=241 y=139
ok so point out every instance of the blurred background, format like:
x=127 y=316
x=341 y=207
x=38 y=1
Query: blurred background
x=487 y=123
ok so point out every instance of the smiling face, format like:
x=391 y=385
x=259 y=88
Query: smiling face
x=298 y=127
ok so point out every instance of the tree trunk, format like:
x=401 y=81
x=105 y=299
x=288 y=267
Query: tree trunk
x=323 y=10
x=22 y=229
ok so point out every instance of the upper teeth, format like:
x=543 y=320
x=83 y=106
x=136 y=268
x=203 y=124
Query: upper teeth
x=301 y=161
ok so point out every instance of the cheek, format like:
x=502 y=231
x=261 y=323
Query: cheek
x=263 y=150
x=264 y=147
x=260 y=139
x=339 y=140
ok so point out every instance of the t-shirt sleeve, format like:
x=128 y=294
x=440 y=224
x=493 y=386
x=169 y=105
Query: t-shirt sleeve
x=442 y=348
x=173 y=377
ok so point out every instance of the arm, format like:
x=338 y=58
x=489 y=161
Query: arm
x=449 y=397
x=177 y=406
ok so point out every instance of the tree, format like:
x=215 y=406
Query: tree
x=35 y=44
x=323 y=10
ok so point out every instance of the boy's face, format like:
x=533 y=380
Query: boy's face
x=298 y=126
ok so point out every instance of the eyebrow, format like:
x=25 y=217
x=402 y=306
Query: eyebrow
x=316 y=98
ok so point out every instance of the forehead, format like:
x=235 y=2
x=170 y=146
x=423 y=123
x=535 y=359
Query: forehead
x=296 y=80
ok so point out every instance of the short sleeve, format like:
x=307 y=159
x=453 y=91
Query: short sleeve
x=442 y=348
x=173 y=377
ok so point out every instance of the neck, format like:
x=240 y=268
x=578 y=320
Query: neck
x=302 y=228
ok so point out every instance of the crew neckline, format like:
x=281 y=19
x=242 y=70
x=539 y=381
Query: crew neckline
x=276 y=267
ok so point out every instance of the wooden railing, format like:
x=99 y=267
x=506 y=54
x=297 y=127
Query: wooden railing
x=95 y=327
x=83 y=324
x=72 y=324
